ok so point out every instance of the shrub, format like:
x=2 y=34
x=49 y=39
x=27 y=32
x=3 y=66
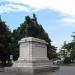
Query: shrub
x=67 y=60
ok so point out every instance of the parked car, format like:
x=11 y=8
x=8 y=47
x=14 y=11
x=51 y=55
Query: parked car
x=57 y=62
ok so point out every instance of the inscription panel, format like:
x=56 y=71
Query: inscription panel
x=24 y=44
x=39 y=45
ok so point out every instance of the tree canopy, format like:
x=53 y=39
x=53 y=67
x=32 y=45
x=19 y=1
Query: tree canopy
x=70 y=47
x=5 y=41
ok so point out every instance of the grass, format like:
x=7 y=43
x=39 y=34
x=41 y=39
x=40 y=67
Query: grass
x=71 y=64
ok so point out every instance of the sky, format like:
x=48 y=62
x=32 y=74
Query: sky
x=56 y=16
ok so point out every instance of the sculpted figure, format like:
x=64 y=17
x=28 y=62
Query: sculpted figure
x=31 y=26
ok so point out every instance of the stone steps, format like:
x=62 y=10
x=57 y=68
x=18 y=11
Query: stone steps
x=1 y=69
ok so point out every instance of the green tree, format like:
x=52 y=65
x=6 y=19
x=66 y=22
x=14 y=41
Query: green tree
x=70 y=47
x=5 y=42
x=72 y=53
x=17 y=34
x=51 y=52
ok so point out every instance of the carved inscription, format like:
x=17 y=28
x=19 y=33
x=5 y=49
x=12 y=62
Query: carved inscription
x=39 y=45
x=24 y=44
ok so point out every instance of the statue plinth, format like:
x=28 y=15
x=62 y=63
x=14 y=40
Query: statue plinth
x=32 y=49
x=33 y=56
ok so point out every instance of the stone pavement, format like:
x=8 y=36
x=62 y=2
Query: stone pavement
x=63 y=71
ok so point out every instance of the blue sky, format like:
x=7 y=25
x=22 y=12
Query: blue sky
x=56 y=16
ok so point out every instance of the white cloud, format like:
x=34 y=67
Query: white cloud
x=12 y=7
x=63 y=6
x=68 y=20
x=17 y=7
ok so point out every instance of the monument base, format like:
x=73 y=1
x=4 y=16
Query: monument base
x=33 y=57
x=29 y=67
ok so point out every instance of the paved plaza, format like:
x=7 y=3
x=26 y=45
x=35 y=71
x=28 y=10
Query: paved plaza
x=63 y=71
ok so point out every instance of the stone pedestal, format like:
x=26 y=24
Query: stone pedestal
x=32 y=49
x=33 y=56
